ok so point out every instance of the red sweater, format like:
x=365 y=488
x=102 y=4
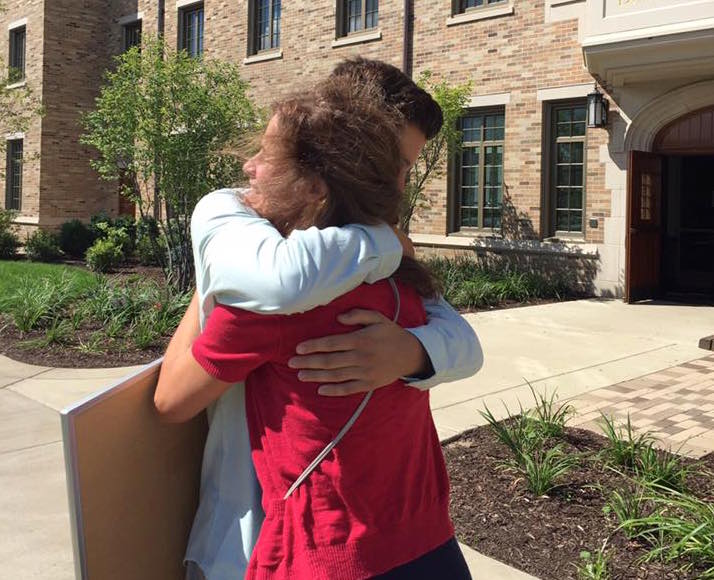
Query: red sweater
x=380 y=498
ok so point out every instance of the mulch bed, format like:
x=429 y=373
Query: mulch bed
x=115 y=353
x=495 y=513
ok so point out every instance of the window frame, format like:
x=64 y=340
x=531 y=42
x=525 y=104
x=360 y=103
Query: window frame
x=253 y=32
x=184 y=13
x=457 y=6
x=550 y=168
x=129 y=27
x=342 y=17
x=14 y=33
x=13 y=174
x=455 y=175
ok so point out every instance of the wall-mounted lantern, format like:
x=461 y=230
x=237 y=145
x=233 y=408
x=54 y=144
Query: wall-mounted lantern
x=598 y=106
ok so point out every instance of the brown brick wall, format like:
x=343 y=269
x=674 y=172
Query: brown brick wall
x=518 y=53
x=33 y=11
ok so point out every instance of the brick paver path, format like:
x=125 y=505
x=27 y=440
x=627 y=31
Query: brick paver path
x=676 y=405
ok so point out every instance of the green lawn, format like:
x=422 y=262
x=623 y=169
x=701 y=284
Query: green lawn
x=15 y=275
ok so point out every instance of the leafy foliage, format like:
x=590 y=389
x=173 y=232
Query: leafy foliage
x=108 y=251
x=624 y=445
x=593 y=566
x=468 y=285
x=43 y=246
x=75 y=238
x=164 y=124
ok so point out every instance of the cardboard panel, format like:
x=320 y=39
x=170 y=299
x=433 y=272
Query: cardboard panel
x=133 y=482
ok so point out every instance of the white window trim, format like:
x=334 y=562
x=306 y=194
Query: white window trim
x=131 y=18
x=17 y=24
x=357 y=38
x=185 y=3
x=492 y=100
x=30 y=220
x=504 y=9
x=17 y=85
x=14 y=136
x=264 y=56
x=568 y=92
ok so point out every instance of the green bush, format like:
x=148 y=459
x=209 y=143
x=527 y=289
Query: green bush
x=43 y=246
x=75 y=238
x=101 y=224
x=104 y=255
x=9 y=242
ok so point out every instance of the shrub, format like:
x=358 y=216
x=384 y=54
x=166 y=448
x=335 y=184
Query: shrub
x=43 y=246
x=75 y=238
x=128 y=224
x=102 y=224
x=104 y=255
x=34 y=304
x=550 y=416
x=9 y=242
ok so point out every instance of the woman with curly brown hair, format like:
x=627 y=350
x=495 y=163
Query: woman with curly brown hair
x=353 y=487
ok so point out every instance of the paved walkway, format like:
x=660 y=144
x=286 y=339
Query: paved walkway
x=676 y=405
x=581 y=348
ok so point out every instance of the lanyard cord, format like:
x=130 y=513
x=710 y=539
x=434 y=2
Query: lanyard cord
x=347 y=426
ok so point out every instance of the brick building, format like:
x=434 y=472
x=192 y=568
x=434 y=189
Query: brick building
x=628 y=205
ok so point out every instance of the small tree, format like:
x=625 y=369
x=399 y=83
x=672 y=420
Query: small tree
x=164 y=123
x=432 y=160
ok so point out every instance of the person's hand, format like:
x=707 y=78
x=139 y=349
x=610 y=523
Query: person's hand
x=361 y=360
x=407 y=245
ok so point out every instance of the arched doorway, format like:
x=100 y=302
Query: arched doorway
x=670 y=239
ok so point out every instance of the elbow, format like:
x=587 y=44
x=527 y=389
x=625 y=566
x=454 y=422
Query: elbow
x=167 y=408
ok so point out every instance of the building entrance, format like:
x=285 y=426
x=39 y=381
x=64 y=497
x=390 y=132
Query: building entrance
x=670 y=213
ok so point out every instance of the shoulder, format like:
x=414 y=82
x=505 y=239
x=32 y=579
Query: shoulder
x=219 y=201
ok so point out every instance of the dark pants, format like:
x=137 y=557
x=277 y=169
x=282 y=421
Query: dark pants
x=444 y=562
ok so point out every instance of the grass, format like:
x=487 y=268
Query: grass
x=61 y=301
x=680 y=527
x=625 y=447
x=14 y=274
x=468 y=285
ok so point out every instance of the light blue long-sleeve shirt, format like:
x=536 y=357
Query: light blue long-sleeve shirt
x=241 y=260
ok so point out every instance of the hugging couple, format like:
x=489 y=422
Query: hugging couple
x=313 y=339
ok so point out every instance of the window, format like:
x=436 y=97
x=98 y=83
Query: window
x=567 y=169
x=17 y=54
x=265 y=34
x=13 y=175
x=461 y=6
x=132 y=35
x=191 y=30
x=357 y=15
x=479 y=170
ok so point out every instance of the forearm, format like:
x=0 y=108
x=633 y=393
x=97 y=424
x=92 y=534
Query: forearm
x=184 y=389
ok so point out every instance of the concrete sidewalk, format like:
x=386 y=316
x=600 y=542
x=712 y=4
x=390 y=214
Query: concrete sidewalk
x=576 y=347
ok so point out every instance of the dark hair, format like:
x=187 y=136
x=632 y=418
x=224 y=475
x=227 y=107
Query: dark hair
x=343 y=140
x=414 y=103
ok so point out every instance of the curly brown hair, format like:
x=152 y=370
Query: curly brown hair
x=336 y=160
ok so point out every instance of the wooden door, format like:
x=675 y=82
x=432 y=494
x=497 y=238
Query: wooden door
x=644 y=227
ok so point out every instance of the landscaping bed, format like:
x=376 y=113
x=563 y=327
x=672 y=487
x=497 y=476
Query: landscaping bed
x=495 y=513
x=63 y=315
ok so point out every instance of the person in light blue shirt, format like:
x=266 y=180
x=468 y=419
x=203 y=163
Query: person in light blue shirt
x=243 y=261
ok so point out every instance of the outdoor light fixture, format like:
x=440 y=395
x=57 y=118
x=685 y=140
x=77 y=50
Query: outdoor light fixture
x=598 y=106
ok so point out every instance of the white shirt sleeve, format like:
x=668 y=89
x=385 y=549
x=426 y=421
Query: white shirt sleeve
x=450 y=342
x=243 y=261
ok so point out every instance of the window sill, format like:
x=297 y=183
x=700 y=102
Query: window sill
x=481 y=14
x=17 y=85
x=26 y=220
x=264 y=56
x=357 y=38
